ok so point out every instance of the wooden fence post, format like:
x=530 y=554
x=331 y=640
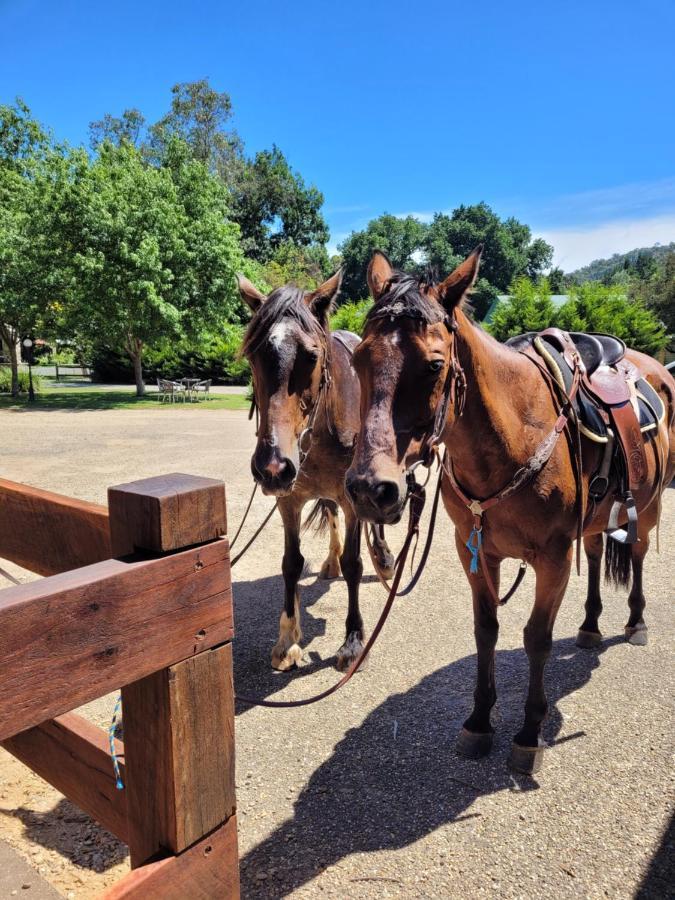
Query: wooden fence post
x=179 y=721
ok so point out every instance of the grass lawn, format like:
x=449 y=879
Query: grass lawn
x=78 y=398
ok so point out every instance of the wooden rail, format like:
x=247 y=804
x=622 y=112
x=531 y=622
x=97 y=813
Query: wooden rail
x=157 y=621
x=47 y=533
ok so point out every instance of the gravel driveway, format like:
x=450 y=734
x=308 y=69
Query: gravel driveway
x=363 y=795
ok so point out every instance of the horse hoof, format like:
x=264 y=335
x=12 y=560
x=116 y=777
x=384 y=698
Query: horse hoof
x=285 y=658
x=636 y=634
x=526 y=760
x=474 y=744
x=588 y=640
x=348 y=653
x=330 y=569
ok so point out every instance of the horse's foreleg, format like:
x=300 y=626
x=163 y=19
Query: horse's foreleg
x=553 y=573
x=475 y=738
x=352 y=569
x=331 y=565
x=287 y=652
x=589 y=634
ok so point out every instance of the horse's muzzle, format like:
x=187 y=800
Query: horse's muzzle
x=276 y=477
x=378 y=500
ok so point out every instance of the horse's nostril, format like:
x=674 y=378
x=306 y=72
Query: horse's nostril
x=385 y=494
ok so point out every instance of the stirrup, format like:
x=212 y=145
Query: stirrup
x=629 y=534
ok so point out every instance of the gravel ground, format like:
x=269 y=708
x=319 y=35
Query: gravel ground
x=364 y=795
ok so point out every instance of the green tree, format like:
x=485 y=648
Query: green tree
x=153 y=255
x=594 y=306
x=400 y=239
x=272 y=205
x=658 y=294
x=529 y=308
x=509 y=251
x=117 y=129
x=29 y=273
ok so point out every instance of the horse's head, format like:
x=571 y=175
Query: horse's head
x=407 y=367
x=287 y=346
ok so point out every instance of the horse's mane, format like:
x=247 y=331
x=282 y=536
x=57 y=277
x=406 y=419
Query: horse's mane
x=284 y=302
x=404 y=298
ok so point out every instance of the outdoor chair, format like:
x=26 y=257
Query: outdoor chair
x=168 y=391
x=202 y=387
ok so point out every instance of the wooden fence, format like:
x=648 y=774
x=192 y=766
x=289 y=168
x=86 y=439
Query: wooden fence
x=136 y=596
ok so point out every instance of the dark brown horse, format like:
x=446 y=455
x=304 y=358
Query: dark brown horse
x=418 y=341
x=308 y=397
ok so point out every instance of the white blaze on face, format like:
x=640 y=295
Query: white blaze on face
x=279 y=333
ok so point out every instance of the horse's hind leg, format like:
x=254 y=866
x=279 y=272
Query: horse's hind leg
x=636 y=630
x=589 y=635
x=352 y=569
x=475 y=738
x=331 y=565
x=287 y=653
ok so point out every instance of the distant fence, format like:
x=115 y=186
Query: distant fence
x=137 y=595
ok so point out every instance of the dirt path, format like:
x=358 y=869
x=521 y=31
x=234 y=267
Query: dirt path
x=364 y=795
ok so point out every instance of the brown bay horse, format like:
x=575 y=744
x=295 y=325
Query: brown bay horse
x=308 y=397
x=425 y=368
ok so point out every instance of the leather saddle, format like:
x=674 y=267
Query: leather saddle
x=614 y=405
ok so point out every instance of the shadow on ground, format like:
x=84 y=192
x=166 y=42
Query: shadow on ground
x=397 y=777
x=72 y=834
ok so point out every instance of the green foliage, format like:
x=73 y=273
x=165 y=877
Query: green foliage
x=214 y=356
x=400 y=239
x=529 y=308
x=509 y=250
x=607 y=269
x=606 y=308
x=658 y=293
x=272 y=206
x=23 y=381
x=153 y=255
x=351 y=316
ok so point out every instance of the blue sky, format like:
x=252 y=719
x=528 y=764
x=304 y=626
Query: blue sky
x=559 y=114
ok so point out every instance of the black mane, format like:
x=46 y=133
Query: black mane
x=284 y=302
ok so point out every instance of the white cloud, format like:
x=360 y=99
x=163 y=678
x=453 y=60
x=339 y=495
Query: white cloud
x=575 y=247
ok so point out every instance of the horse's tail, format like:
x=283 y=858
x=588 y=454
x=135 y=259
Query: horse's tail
x=318 y=517
x=618 y=563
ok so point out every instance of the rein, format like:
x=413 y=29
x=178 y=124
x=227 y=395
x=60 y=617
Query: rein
x=416 y=506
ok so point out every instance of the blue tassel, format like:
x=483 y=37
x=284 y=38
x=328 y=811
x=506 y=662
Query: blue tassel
x=474 y=548
x=119 y=784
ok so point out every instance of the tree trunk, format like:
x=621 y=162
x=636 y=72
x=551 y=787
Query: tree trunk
x=137 y=360
x=10 y=338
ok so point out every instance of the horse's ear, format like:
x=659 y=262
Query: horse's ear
x=456 y=286
x=321 y=300
x=250 y=293
x=379 y=274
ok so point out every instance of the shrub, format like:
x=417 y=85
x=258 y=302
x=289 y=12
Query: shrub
x=6 y=381
x=351 y=316
x=215 y=356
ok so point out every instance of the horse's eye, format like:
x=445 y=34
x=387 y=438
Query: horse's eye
x=435 y=365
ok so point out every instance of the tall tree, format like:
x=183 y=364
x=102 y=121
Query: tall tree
x=529 y=308
x=400 y=239
x=154 y=256
x=200 y=116
x=508 y=253
x=117 y=129
x=29 y=272
x=272 y=205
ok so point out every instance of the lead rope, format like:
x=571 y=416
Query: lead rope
x=119 y=784
x=416 y=507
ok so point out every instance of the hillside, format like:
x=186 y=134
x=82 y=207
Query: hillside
x=599 y=268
